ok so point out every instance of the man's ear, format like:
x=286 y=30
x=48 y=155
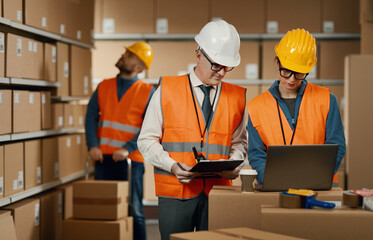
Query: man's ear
x=139 y=68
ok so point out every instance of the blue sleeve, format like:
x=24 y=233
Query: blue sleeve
x=334 y=132
x=257 y=151
x=132 y=144
x=91 y=121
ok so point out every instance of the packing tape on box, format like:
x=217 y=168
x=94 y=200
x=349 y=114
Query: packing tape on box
x=95 y=201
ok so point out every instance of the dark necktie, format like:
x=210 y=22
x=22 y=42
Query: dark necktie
x=206 y=105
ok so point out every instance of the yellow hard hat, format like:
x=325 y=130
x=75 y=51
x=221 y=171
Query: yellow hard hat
x=143 y=51
x=297 y=51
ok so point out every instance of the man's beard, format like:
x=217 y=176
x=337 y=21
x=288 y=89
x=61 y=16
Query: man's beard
x=123 y=68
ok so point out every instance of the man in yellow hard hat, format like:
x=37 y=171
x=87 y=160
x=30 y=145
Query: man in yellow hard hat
x=195 y=110
x=293 y=111
x=114 y=117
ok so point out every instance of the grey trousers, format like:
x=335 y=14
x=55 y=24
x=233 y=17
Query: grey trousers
x=177 y=215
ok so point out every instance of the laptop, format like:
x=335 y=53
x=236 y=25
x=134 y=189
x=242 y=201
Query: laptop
x=300 y=167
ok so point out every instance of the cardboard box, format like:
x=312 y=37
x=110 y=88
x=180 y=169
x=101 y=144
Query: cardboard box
x=366 y=11
x=75 y=229
x=112 y=20
x=1 y=171
x=340 y=16
x=79 y=115
x=49 y=161
x=250 y=64
x=149 y=184
x=248 y=16
x=366 y=38
x=51 y=215
x=7 y=227
x=6 y=111
x=69 y=155
x=332 y=55
x=358 y=130
x=71 y=17
x=101 y=200
x=169 y=63
x=168 y=14
x=86 y=18
x=26 y=215
x=46 y=110
x=57 y=115
x=12 y=10
x=15 y=55
x=34 y=57
x=13 y=168
x=80 y=81
x=5 y=213
x=67 y=194
x=249 y=233
x=35 y=13
x=50 y=62
x=304 y=14
x=319 y=223
x=243 y=209
x=2 y=53
x=34 y=111
x=63 y=69
x=32 y=163
x=68 y=115
x=20 y=110
x=79 y=161
x=56 y=10
x=201 y=235
x=269 y=67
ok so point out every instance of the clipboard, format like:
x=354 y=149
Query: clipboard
x=208 y=168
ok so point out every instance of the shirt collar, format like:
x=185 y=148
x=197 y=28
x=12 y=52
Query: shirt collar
x=134 y=79
x=196 y=81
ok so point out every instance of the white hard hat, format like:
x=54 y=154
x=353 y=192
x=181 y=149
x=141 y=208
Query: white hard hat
x=221 y=42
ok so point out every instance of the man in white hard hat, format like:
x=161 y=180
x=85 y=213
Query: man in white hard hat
x=195 y=111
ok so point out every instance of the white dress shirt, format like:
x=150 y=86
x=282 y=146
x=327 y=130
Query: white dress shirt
x=152 y=129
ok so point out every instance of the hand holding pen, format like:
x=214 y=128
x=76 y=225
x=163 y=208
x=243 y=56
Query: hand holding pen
x=183 y=175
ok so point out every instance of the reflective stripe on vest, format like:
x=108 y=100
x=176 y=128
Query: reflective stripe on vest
x=181 y=133
x=120 y=121
x=311 y=120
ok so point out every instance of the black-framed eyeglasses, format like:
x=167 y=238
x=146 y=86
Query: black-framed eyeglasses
x=286 y=73
x=216 y=67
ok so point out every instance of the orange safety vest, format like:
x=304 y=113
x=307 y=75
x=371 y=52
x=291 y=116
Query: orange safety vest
x=181 y=132
x=311 y=121
x=120 y=121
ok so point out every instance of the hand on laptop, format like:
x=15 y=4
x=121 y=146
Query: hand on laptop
x=233 y=174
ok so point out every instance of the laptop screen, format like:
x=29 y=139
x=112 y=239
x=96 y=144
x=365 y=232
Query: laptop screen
x=299 y=166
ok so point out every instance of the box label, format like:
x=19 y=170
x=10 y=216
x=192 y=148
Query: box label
x=19 y=15
x=71 y=120
x=30 y=46
x=272 y=27
x=60 y=121
x=38 y=174
x=251 y=71
x=43 y=98
x=17 y=97
x=43 y=21
x=20 y=179
x=54 y=54
x=35 y=47
x=31 y=98
x=1 y=185
x=80 y=120
x=19 y=47
x=62 y=28
x=85 y=85
x=59 y=202
x=78 y=140
x=2 y=46
x=328 y=26
x=1 y=97
x=66 y=69
x=108 y=25
x=68 y=142
x=37 y=214
x=78 y=34
x=162 y=25
x=15 y=184
x=56 y=170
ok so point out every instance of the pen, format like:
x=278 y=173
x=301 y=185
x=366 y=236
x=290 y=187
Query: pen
x=196 y=156
x=181 y=167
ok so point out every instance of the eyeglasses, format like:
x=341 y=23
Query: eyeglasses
x=217 y=67
x=286 y=73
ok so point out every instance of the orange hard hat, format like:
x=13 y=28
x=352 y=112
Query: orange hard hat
x=143 y=51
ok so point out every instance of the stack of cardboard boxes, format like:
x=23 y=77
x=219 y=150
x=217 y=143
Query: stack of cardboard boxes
x=100 y=211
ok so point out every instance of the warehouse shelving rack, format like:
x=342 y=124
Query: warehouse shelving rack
x=44 y=36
